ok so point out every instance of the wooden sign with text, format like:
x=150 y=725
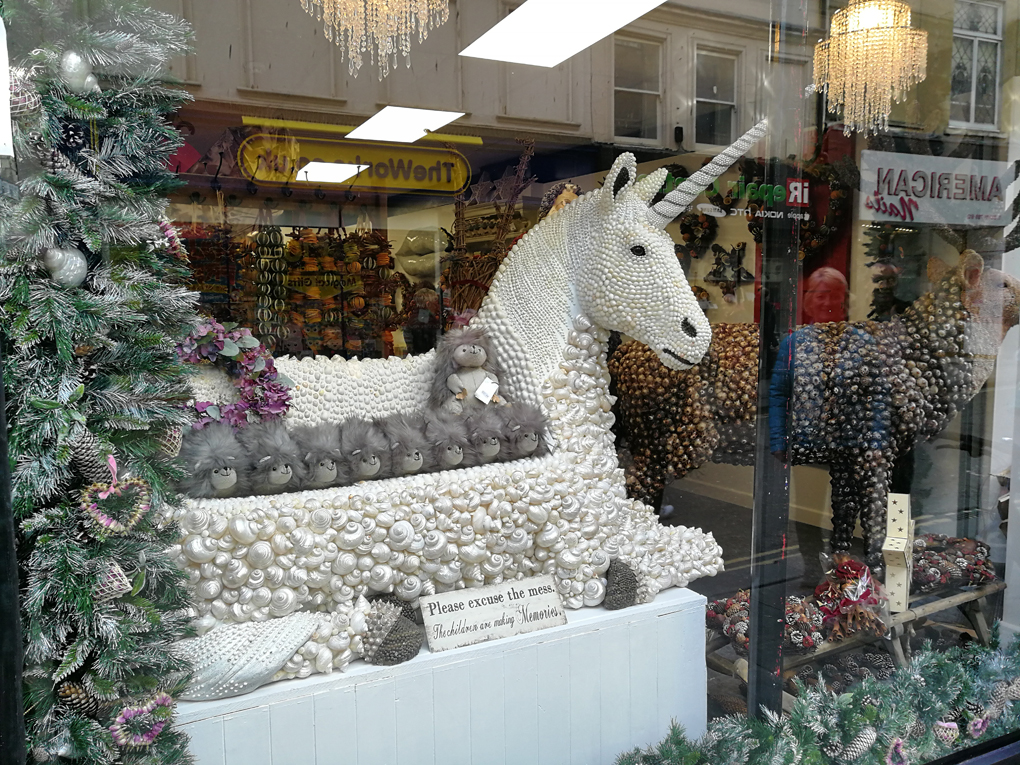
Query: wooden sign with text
x=474 y=615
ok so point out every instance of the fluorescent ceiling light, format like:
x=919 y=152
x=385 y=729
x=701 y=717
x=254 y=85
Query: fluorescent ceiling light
x=548 y=32
x=401 y=124
x=328 y=172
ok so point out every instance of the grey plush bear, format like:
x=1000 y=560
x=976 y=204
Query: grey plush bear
x=319 y=447
x=484 y=429
x=524 y=432
x=465 y=361
x=409 y=447
x=276 y=464
x=365 y=450
x=215 y=462
x=448 y=440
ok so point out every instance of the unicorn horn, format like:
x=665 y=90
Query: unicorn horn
x=680 y=199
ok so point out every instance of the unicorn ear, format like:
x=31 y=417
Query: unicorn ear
x=649 y=186
x=619 y=178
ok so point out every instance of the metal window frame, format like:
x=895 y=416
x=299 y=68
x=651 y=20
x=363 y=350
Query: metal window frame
x=711 y=50
x=974 y=38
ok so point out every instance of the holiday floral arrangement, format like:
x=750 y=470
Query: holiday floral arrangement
x=940 y=560
x=850 y=599
x=263 y=393
x=942 y=701
x=802 y=633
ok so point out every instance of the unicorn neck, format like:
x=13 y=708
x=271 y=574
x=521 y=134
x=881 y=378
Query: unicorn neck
x=531 y=304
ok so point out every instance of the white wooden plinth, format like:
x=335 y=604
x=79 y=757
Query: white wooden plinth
x=582 y=693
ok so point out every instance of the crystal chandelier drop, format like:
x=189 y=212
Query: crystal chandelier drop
x=380 y=27
x=872 y=57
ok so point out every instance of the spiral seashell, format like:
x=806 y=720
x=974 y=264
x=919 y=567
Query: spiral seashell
x=352 y=536
x=369 y=525
x=411 y=564
x=568 y=559
x=338 y=518
x=295 y=577
x=448 y=573
x=435 y=545
x=208 y=589
x=315 y=559
x=594 y=592
x=518 y=541
x=381 y=553
x=548 y=536
x=284 y=602
x=418 y=522
x=493 y=565
x=409 y=588
x=302 y=541
x=473 y=553
x=401 y=535
x=219 y=609
x=242 y=530
x=345 y=563
x=200 y=549
x=195 y=521
x=339 y=643
x=381 y=577
x=385 y=519
x=319 y=520
x=236 y=574
x=274 y=576
x=256 y=578
x=286 y=524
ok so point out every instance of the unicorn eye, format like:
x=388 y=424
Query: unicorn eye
x=638 y=250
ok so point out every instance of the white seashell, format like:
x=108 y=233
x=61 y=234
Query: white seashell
x=281 y=543
x=381 y=577
x=286 y=525
x=345 y=563
x=435 y=545
x=320 y=520
x=274 y=576
x=295 y=577
x=473 y=553
x=236 y=574
x=242 y=530
x=208 y=589
x=284 y=602
x=352 y=536
x=401 y=535
x=448 y=573
x=195 y=521
x=302 y=540
x=261 y=597
x=409 y=588
x=200 y=549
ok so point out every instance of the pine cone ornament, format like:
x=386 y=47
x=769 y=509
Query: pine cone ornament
x=87 y=458
x=860 y=744
x=391 y=638
x=74 y=136
x=621 y=586
x=170 y=440
x=77 y=698
x=916 y=729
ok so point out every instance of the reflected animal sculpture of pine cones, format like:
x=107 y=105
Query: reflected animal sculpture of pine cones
x=862 y=393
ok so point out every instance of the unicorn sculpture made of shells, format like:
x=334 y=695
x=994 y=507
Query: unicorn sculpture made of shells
x=280 y=581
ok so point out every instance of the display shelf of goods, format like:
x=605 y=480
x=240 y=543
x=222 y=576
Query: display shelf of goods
x=564 y=512
x=859 y=393
x=92 y=300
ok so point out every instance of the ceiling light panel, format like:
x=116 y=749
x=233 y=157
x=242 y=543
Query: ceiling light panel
x=328 y=172
x=400 y=124
x=548 y=32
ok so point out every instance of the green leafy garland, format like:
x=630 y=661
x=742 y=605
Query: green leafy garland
x=92 y=296
x=943 y=701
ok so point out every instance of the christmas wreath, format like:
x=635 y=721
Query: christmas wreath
x=263 y=392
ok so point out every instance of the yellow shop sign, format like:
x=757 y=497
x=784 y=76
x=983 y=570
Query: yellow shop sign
x=395 y=168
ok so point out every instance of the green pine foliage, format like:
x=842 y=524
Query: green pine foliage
x=91 y=371
x=960 y=685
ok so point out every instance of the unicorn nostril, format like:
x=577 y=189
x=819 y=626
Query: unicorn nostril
x=689 y=329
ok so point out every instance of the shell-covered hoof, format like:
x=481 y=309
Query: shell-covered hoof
x=392 y=638
x=621 y=586
x=407 y=609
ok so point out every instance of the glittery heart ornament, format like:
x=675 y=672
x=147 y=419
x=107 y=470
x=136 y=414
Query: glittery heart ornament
x=118 y=506
x=136 y=727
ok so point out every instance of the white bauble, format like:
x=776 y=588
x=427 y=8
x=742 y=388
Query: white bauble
x=74 y=71
x=67 y=265
x=92 y=85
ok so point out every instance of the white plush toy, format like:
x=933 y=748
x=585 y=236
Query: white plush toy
x=467 y=375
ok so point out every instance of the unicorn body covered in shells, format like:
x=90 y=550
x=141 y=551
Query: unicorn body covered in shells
x=279 y=581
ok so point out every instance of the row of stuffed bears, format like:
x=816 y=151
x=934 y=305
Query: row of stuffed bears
x=468 y=423
x=269 y=458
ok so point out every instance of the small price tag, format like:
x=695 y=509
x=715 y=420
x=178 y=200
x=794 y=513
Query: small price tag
x=486 y=391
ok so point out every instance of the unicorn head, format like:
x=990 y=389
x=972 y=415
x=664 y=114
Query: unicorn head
x=629 y=279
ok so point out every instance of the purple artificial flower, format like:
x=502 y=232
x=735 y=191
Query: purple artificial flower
x=977 y=727
x=896 y=755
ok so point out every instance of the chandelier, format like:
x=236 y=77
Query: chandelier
x=872 y=57
x=379 y=27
